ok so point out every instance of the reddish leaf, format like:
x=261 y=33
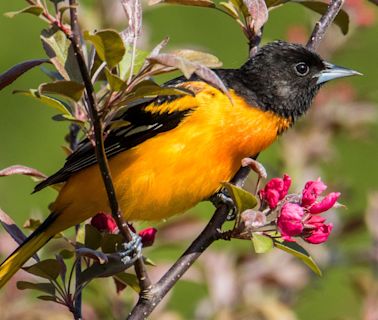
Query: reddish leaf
x=196 y=3
x=155 y=51
x=258 y=12
x=18 y=169
x=119 y=285
x=188 y=68
x=18 y=70
x=133 y=11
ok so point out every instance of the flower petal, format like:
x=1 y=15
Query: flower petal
x=311 y=192
x=290 y=219
x=327 y=203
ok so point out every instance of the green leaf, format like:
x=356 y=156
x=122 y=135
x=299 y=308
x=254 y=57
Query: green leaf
x=243 y=200
x=34 y=10
x=125 y=63
x=69 y=89
x=341 y=20
x=298 y=251
x=261 y=243
x=68 y=117
x=229 y=8
x=128 y=279
x=48 y=269
x=32 y=224
x=47 y=298
x=59 y=49
x=92 y=238
x=115 y=82
x=52 y=102
x=66 y=254
x=109 y=45
x=149 y=262
x=44 y=287
x=203 y=58
x=110 y=242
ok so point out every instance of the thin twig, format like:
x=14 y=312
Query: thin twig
x=324 y=22
x=99 y=145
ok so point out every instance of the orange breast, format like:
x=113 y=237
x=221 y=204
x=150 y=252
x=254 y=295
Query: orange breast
x=173 y=171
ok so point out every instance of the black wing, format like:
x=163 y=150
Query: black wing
x=143 y=125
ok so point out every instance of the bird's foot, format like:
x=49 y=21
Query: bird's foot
x=131 y=251
x=223 y=197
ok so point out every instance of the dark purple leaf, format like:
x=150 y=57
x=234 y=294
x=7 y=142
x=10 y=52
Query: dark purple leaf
x=44 y=287
x=48 y=269
x=100 y=257
x=10 y=226
x=18 y=70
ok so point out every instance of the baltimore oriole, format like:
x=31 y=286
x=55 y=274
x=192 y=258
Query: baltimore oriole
x=179 y=149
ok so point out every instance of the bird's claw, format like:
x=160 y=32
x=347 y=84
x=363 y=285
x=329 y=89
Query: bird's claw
x=131 y=251
x=223 y=197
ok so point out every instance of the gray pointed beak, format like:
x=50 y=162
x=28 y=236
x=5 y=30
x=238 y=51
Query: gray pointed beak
x=333 y=72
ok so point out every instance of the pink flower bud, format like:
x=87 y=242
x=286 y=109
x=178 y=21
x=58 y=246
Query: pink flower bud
x=320 y=234
x=290 y=219
x=275 y=190
x=311 y=192
x=104 y=222
x=286 y=186
x=327 y=203
x=272 y=197
x=148 y=236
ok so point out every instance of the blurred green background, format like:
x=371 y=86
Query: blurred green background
x=29 y=137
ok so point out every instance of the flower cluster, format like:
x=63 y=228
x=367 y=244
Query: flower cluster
x=299 y=216
x=104 y=222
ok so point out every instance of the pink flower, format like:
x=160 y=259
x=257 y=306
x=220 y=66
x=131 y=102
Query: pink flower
x=104 y=222
x=320 y=234
x=275 y=190
x=327 y=203
x=148 y=236
x=290 y=220
x=311 y=192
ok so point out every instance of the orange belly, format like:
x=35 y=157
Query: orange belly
x=175 y=170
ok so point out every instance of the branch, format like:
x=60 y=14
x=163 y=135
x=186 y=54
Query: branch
x=211 y=233
x=146 y=304
x=324 y=22
x=91 y=105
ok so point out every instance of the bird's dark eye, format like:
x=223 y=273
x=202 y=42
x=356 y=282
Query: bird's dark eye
x=301 y=69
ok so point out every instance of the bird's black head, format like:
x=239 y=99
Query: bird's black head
x=285 y=77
